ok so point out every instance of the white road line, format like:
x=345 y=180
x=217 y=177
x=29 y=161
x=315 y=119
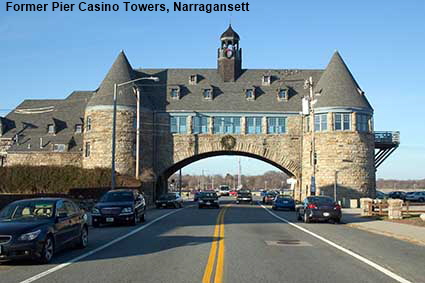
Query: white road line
x=353 y=254
x=63 y=265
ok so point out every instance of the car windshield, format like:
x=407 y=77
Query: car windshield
x=208 y=195
x=28 y=209
x=283 y=198
x=244 y=192
x=168 y=197
x=117 y=197
x=321 y=200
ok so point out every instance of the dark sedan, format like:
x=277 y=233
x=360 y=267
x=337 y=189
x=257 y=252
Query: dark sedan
x=320 y=208
x=208 y=199
x=283 y=202
x=244 y=196
x=269 y=197
x=37 y=228
x=172 y=200
x=119 y=206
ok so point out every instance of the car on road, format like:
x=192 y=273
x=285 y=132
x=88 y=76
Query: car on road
x=269 y=197
x=416 y=196
x=224 y=190
x=173 y=200
x=244 y=196
x=283 y=202
x=38 y=228
x=319 y=208
x=208 y=199
x=233 y=193
x=381 y=195
x=397 y=195
x=196 y=196
x=122 y=206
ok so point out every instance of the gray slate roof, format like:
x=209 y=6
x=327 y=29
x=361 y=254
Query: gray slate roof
x=230 y=33
x=338 y=88
x=121 y=71
x=31 y=117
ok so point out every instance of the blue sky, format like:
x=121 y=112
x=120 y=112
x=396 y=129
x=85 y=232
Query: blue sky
x=50 y=54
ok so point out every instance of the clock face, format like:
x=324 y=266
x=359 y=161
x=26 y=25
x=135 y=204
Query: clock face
x=229 y=53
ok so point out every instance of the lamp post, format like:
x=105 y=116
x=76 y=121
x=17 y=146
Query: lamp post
x=114 y=122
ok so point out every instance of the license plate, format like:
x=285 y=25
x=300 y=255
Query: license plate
x=325 y=213
x=285 y=202
x=245 y=199
x=109 y=219
x=208 y=203
x=164 y=204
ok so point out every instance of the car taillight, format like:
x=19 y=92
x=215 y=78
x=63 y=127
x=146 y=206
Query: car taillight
x=337 y=207
x=312 y=206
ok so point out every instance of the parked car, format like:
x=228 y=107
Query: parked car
x=269 y=197
x=38 y=228
x=397 y=195
x=196 y=196
x=283 y=202
x=244 y=196
x=320 y=208
x=224 y=190
x=233 y=193
x=381 y=195
x=172 y=200
x=123 y=206
x=416 y=196
x=208 y=199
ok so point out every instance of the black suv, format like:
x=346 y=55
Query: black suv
x=119 y=206
x=244 y=196
x=208 y=199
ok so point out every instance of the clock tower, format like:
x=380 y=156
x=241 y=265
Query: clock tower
x=229 y=56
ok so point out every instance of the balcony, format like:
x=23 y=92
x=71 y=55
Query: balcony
x=385 y=143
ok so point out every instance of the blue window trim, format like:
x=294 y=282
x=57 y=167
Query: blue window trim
x=200 y=124
x=178 y=124
x=254 y=127
x=226 y=125
x=276 y=125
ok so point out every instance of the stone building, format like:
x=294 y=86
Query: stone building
x=190 y=114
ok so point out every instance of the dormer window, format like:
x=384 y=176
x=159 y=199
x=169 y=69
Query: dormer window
x=78 y=129
x=51 y=129
x=267 y=80
x=250 y=94
x=59 y=147
x=175 y=92
x=207 y=93
x=282 y=94
x=193 y=79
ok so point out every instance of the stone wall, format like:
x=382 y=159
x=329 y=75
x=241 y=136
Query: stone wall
x=100 y=139
x=44 y=158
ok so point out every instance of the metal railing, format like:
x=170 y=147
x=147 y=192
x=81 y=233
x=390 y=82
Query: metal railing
x=387 y=137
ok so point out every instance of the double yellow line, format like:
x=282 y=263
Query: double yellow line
x=217 y=244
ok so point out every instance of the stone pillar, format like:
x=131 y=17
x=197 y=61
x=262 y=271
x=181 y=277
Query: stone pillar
x=189 y=121
x=395 y=207
x=210 y=125
x=353 y=121
x=264 y=125
x=330 y=119
x=243 y=125
x=366 y=206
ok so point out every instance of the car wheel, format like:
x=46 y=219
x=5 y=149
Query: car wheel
x=48 y=250
x=274 y=207
x=421 y=199
x=299 y=216
x=337 y=220
x=83 y=241
x=181 y=205
x=306 y=219
x=135 y=220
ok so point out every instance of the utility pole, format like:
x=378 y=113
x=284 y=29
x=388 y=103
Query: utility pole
x=311 y=101
x=239 y=173
x=180 y=182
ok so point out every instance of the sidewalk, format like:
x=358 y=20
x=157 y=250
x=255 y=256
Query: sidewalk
x=406 y=232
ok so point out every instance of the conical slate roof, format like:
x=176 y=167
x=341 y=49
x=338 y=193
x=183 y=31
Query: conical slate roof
x=121 y=71
x=230 y=33
x=338 y=88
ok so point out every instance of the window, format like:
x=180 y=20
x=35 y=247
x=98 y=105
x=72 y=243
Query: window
x=307 y=124
x=276 y=125
x=342 y=121
x=175 y=93
x=135 y=122
x=88 y=123
x=362 y=122
x=70 y=208
x=51 y=129
x=178 y=124
x=282 y=94
x=200 y=124
x=227 y=125
x=253 y=125
x=207 y=93
x=250 y=94
x=266 y=80
x=87 y=152
x=78 y=129
x=320 y=122
x=59 y=147
x=193 y=79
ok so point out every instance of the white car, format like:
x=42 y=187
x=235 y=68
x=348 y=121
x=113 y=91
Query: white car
x=416 y=196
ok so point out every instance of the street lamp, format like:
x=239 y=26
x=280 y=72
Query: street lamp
x=114 y=121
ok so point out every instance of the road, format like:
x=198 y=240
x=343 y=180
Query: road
x=237 y=243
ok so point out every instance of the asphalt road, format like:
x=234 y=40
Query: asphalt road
x=237 y=243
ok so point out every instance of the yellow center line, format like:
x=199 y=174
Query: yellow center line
x=218 y=243
x=220 y=257
x=211 y=259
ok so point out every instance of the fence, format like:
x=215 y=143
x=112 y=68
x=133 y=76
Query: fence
x=381 y=208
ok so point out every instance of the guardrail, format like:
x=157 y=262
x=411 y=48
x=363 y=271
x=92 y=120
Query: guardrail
x=387 y=137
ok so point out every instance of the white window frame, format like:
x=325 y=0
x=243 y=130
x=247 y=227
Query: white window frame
x=209 y=93
x=266 y=80
x=286 y=94
x=342 y=121
x=179 y=125
x=51 y=129
x=362 y=122
x=59 y=147
x=277 y=127
x=87 y=150
x=78 y=128
x=175 y=90
x=257 y=123
x=322 y=124
x=88 y=124
x=250 y=93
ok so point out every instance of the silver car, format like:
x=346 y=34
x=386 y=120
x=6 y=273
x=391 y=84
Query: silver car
x=416 y=196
